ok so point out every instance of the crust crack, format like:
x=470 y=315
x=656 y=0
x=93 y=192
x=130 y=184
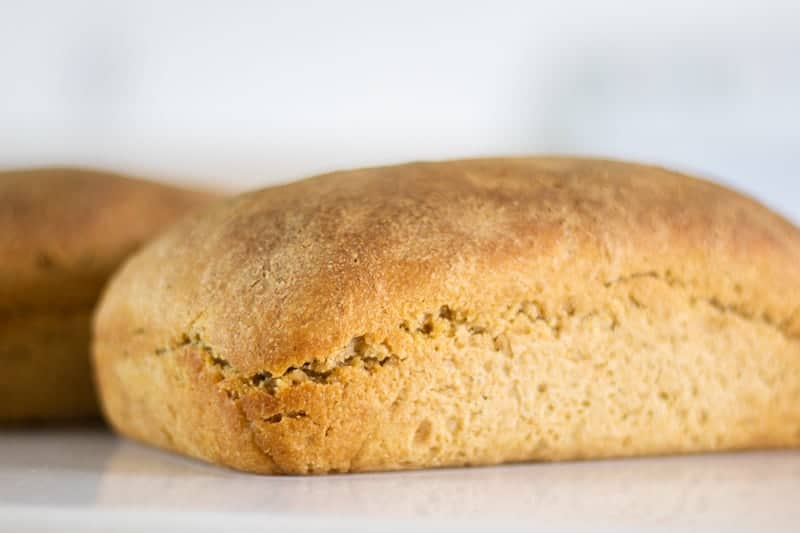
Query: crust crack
x=359 y=353
x=781 y=326
x=363 y=355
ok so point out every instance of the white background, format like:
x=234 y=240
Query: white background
x=244 y=94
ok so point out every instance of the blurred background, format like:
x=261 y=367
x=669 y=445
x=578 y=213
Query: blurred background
x=242 y=94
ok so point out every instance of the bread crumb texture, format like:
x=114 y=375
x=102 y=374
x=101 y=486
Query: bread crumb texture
x=459 y=313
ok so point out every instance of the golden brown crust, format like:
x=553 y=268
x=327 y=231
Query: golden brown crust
x=63 y=231
x=329 y=277
x=283 y=276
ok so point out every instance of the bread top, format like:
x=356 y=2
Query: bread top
x=63 y=231
x=289 y=275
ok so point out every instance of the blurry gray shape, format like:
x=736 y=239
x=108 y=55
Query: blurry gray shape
x=97 y=80
x=607 y=92
x=730 y=115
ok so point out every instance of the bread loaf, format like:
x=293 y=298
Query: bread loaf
x=459 y=313
x=62 y=233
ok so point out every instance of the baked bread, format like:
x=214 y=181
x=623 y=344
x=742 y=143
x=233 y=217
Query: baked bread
x=62 y=233
x=459 y=313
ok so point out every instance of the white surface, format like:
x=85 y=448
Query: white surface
x=87 y=479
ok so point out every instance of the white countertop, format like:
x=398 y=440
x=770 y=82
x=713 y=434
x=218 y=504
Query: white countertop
x=87 y=479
